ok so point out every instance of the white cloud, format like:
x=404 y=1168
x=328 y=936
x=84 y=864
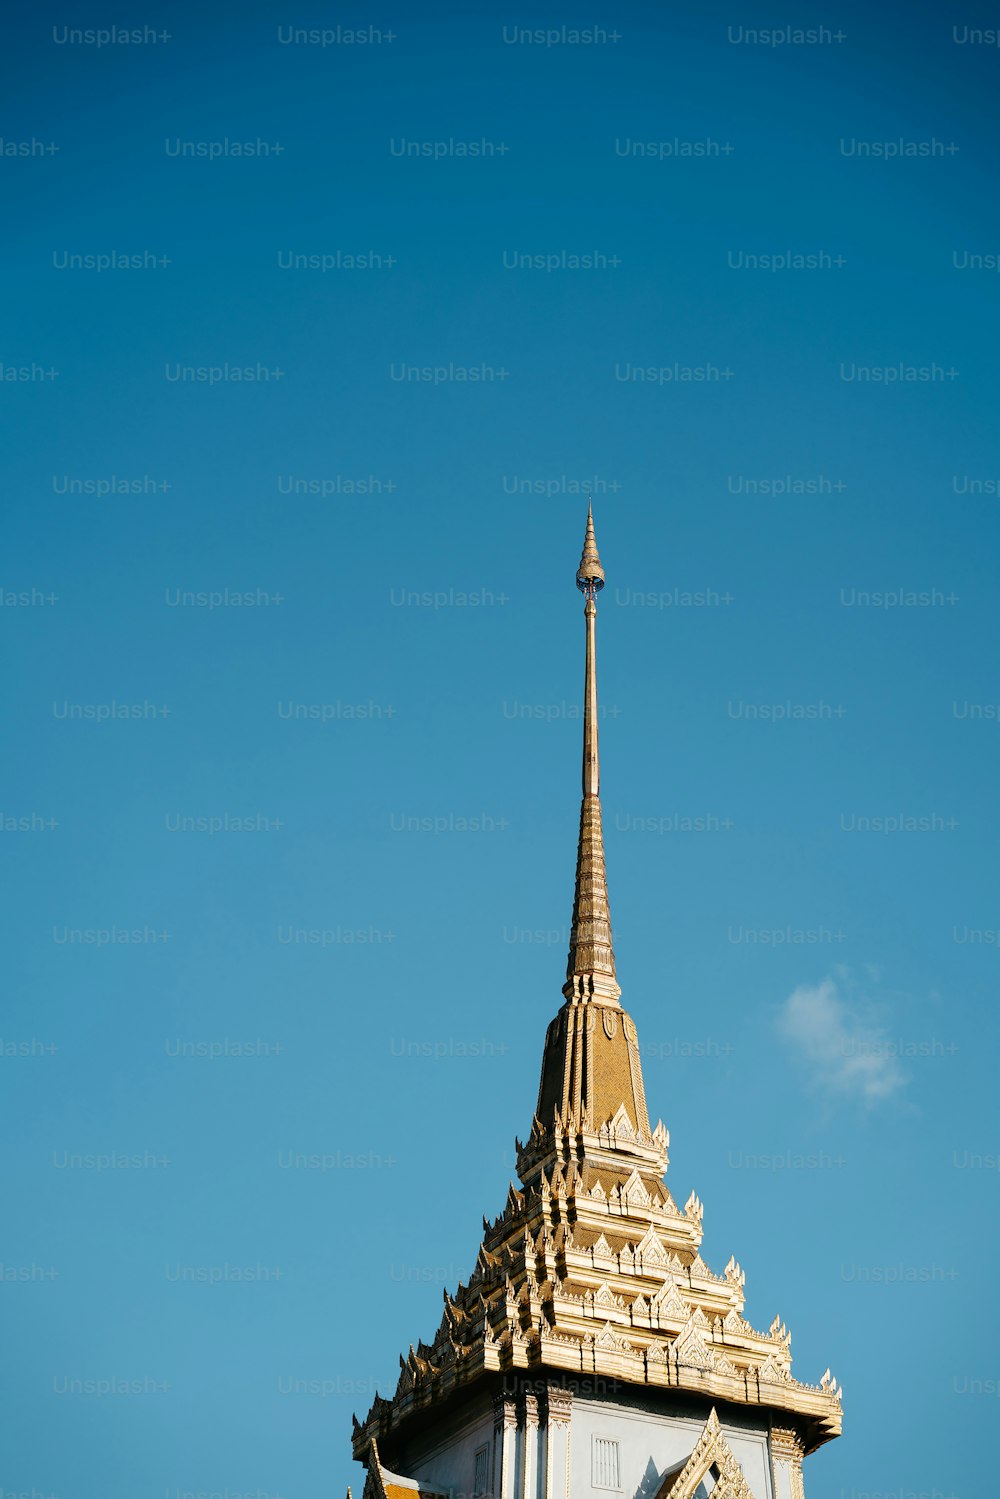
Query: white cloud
x=847 y=1051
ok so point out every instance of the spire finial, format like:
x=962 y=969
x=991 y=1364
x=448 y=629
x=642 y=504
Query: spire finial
x=590 y=971
x=590 y=573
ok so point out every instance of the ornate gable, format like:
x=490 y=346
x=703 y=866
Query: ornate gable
x=652 y=1250
x=620 y=1124
x=691 y=1347
x=711 y=1453
x=668 y=1302
x=606 y=1297
x=634 y=1191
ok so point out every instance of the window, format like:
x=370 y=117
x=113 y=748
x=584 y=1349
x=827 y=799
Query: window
x=606 y=1466
x=481 y=1481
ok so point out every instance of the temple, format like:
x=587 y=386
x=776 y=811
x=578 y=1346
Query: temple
x=593 y=1351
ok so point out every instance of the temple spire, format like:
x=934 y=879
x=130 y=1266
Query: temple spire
x=590 y=970
x=590 y=581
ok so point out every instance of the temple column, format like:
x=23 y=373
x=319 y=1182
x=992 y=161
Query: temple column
x=559 y=1410
x=529 y=1472
x=786 y=1463
x=504 y=1432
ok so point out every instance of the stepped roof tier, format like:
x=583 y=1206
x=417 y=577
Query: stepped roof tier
x=592 y=1269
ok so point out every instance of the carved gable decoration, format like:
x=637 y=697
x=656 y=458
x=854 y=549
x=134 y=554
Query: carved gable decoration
x=651 y=1249
x=635 y=1192
x=621 y=1125
x=609 y=1341
x=690 y=1348
x=405 y=1378
x=693 y=1349
x=711 y=1452
x=733 y=1322
x=668 y=1302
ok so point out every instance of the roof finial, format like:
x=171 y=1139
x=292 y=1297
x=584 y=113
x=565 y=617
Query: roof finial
x=590 y=573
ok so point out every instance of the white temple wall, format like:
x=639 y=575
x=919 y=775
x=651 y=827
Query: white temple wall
x=543 y=1447
x=449 y=1464
x=649 y=1444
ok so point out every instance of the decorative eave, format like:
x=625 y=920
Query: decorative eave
x=813 y=1411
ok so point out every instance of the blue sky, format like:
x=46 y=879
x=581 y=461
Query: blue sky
x=797 y=649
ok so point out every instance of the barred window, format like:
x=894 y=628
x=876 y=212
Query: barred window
x=606 y=1465
x=480 y=1484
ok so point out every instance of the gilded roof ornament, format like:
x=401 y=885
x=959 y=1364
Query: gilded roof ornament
x=590 y=573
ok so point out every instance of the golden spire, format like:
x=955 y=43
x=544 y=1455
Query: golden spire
x=590 y=970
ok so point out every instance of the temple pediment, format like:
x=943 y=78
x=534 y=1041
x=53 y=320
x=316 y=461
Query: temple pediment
x=712 y=1458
